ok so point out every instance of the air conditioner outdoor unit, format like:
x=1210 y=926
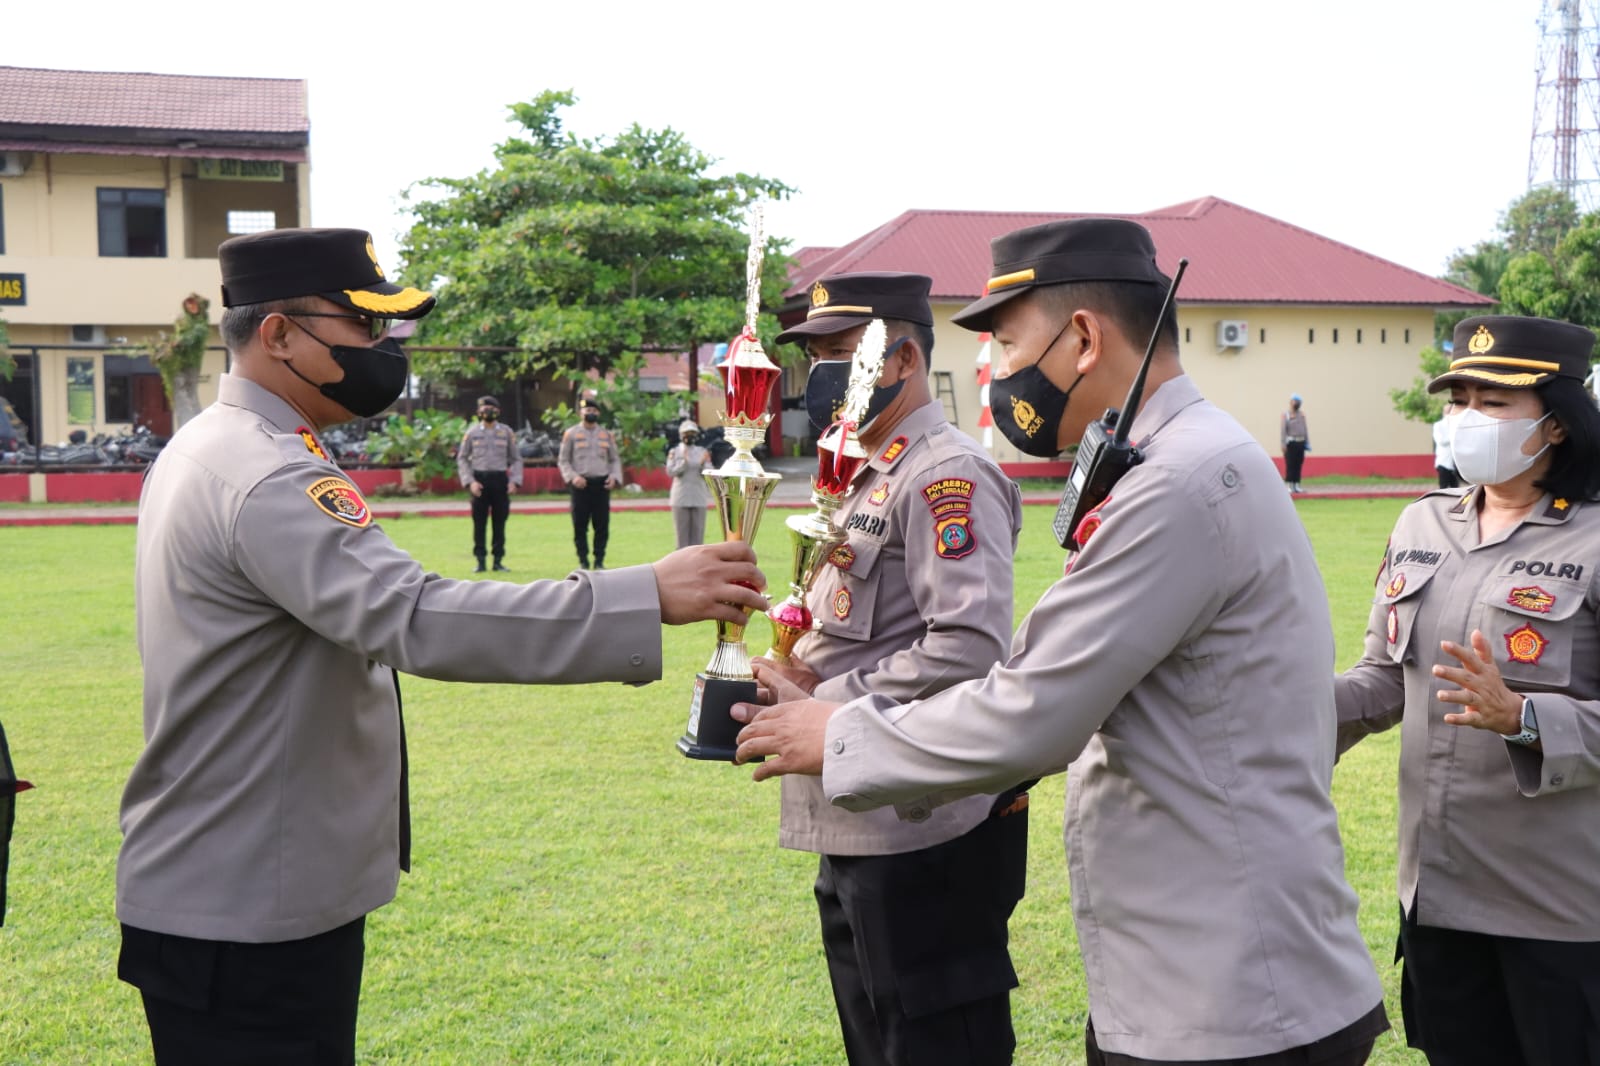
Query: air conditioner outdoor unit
x=88 y=334
x=11 y=164
x=1232 y=333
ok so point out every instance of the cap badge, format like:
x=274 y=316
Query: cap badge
x=819 y=295
x=1026 y=417
x=372 y=254
x=1481 y=341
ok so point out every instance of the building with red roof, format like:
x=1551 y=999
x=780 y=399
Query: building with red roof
x=115 y=190
x=1266 y=309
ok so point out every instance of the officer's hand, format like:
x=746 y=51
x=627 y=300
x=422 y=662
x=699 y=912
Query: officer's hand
x=790 y=735
x=580 y=482
x=611 y=482
x=475 y=488
x=777 y=683
x=1485 y=701
x=710 y=581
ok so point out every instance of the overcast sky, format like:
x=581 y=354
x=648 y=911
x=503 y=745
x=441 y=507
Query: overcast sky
x=1398 y=126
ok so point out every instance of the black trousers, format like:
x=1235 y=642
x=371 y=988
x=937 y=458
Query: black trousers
x=495 y=502
x=1294 y=457
x=591 y=504
x=917 y=948
x=208 y=1002
x=1476 y=999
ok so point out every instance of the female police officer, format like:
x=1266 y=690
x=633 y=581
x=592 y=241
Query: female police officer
x=1487 y=615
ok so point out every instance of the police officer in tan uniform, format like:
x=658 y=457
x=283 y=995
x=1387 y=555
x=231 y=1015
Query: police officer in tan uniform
x=591 y=466
x=690 y=497
x=267 y=814
x=1486 y=614
x=914 y=913
x=491 y=469
x=1177 y=668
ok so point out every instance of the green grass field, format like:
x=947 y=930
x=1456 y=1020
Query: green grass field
x=580 y=893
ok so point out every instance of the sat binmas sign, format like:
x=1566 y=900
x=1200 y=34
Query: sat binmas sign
x=239 y=170
x=13 y=290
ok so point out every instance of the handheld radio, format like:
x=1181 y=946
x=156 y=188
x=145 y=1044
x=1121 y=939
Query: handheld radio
x=1105 y=455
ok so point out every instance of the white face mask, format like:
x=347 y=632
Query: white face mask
x=1488 y=451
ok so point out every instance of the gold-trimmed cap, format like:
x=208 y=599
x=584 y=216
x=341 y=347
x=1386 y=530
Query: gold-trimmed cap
x=1079 y=249
x=339 y=265
x=845 y=301
x=1516 y=352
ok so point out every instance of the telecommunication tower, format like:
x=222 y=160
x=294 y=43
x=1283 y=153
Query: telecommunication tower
x=1565 y=148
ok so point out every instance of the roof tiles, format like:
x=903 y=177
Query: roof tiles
x=32 y=96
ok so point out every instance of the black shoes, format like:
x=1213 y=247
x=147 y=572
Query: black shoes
x=498 y=565
x=479 y=568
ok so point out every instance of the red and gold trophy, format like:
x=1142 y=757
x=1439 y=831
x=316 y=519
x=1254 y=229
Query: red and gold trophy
x=839 y=455
x=740 y=488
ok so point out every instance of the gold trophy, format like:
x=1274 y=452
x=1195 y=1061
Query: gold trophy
x=741 y=489
x=839 y=455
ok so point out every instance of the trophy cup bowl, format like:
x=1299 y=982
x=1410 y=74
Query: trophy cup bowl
x=740 y=488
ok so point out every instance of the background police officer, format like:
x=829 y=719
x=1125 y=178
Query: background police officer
x=591 y=466
x=490 y=467
x=266 y=815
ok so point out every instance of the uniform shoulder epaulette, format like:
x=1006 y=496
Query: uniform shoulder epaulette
x=1560 y=509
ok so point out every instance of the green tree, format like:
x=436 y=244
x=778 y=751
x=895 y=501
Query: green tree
x=1414 y=402
x=178 y=355
x=577 y=252
x=8 y=365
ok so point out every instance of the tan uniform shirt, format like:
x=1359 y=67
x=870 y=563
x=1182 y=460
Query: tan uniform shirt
x=1494 y=838
x=1178 y=670
x=489 y=447
x=589 y=452
x=272 y=614
x=686 y=463
x=917 y=599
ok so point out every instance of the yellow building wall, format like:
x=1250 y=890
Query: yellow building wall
x=51 y=219
x=1344 y=383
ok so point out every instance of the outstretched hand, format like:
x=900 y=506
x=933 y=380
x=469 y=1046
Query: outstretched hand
x=710 y=581
x=790 y=735
x=1487 y=703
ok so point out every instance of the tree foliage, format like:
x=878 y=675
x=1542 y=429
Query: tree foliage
x=643 y=422
x=8 y=365
x=577 y=252
x=427 y=441
x=1414 y=401
x=178 y=355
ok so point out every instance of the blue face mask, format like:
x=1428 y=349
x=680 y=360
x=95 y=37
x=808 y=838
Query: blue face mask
x=828 y=382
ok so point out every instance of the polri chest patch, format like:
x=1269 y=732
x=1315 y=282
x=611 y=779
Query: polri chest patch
x=843 y=557
x=1526 y=645
x=841 y=604
x=339 y=499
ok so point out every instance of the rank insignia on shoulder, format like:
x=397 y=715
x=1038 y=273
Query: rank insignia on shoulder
x=879 y=494
x=1526 y=645
x=313 y=445
x=892 y=452
x=843 y=557
x=1531 y=598
x=1559 y=507
x=841 y=604
x=337 y=498
x=955 y=538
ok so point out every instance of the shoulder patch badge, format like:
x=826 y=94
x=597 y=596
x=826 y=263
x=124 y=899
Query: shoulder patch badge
x=1531 y=598
x=841 y=604
x=878 y=495
x=1393 y=625
x=1526 y=645
x=949 y=495
x=313 y=445
x=892 y=452
x=337 y=498
x=844 y=557
x=955 y=537
x=1395 y=586
x=1089 y=524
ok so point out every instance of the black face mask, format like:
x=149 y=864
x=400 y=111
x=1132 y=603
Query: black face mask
x=373 y=378
x=590 y=417
x=1028 y=407
x=827 y=384
x=489 y=414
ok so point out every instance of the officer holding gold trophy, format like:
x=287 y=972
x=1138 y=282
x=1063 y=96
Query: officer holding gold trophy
x=914 y=600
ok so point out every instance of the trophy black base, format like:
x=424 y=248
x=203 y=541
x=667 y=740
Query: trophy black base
x=713 y=734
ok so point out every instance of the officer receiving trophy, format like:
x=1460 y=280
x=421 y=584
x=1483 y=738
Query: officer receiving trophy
x=839 y=456
x=740 y=489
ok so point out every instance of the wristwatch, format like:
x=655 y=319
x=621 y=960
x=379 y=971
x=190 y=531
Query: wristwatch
x=1530 y=727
